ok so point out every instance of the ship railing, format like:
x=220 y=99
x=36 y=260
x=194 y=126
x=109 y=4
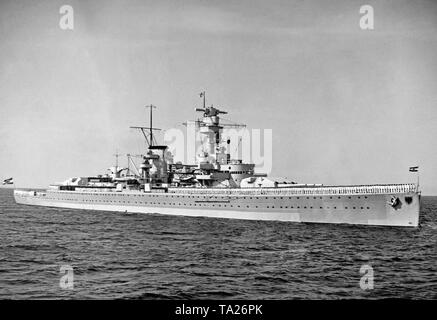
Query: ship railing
x=327 y=190
x=25 y=193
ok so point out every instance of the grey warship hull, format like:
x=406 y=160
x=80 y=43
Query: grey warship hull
x=385 y=205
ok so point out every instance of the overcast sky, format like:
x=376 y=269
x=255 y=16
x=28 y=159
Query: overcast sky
x=347 y=106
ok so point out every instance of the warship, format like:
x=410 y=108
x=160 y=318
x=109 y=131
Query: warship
x=221 y=187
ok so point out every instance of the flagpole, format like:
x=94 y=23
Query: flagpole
x=416 y=169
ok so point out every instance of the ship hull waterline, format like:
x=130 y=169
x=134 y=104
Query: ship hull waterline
x=358 y=209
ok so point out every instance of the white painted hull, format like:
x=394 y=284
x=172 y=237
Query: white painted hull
x=346 y=209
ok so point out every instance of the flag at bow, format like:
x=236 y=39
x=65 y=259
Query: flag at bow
x=8 y=181
x=414 y=169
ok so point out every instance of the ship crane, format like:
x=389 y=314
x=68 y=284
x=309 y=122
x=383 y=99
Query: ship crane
x=116 y=170
x=131 y=162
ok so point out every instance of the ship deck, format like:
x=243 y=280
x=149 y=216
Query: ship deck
x=306 y=190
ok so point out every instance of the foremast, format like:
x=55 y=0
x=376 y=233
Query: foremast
x=154 y=167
